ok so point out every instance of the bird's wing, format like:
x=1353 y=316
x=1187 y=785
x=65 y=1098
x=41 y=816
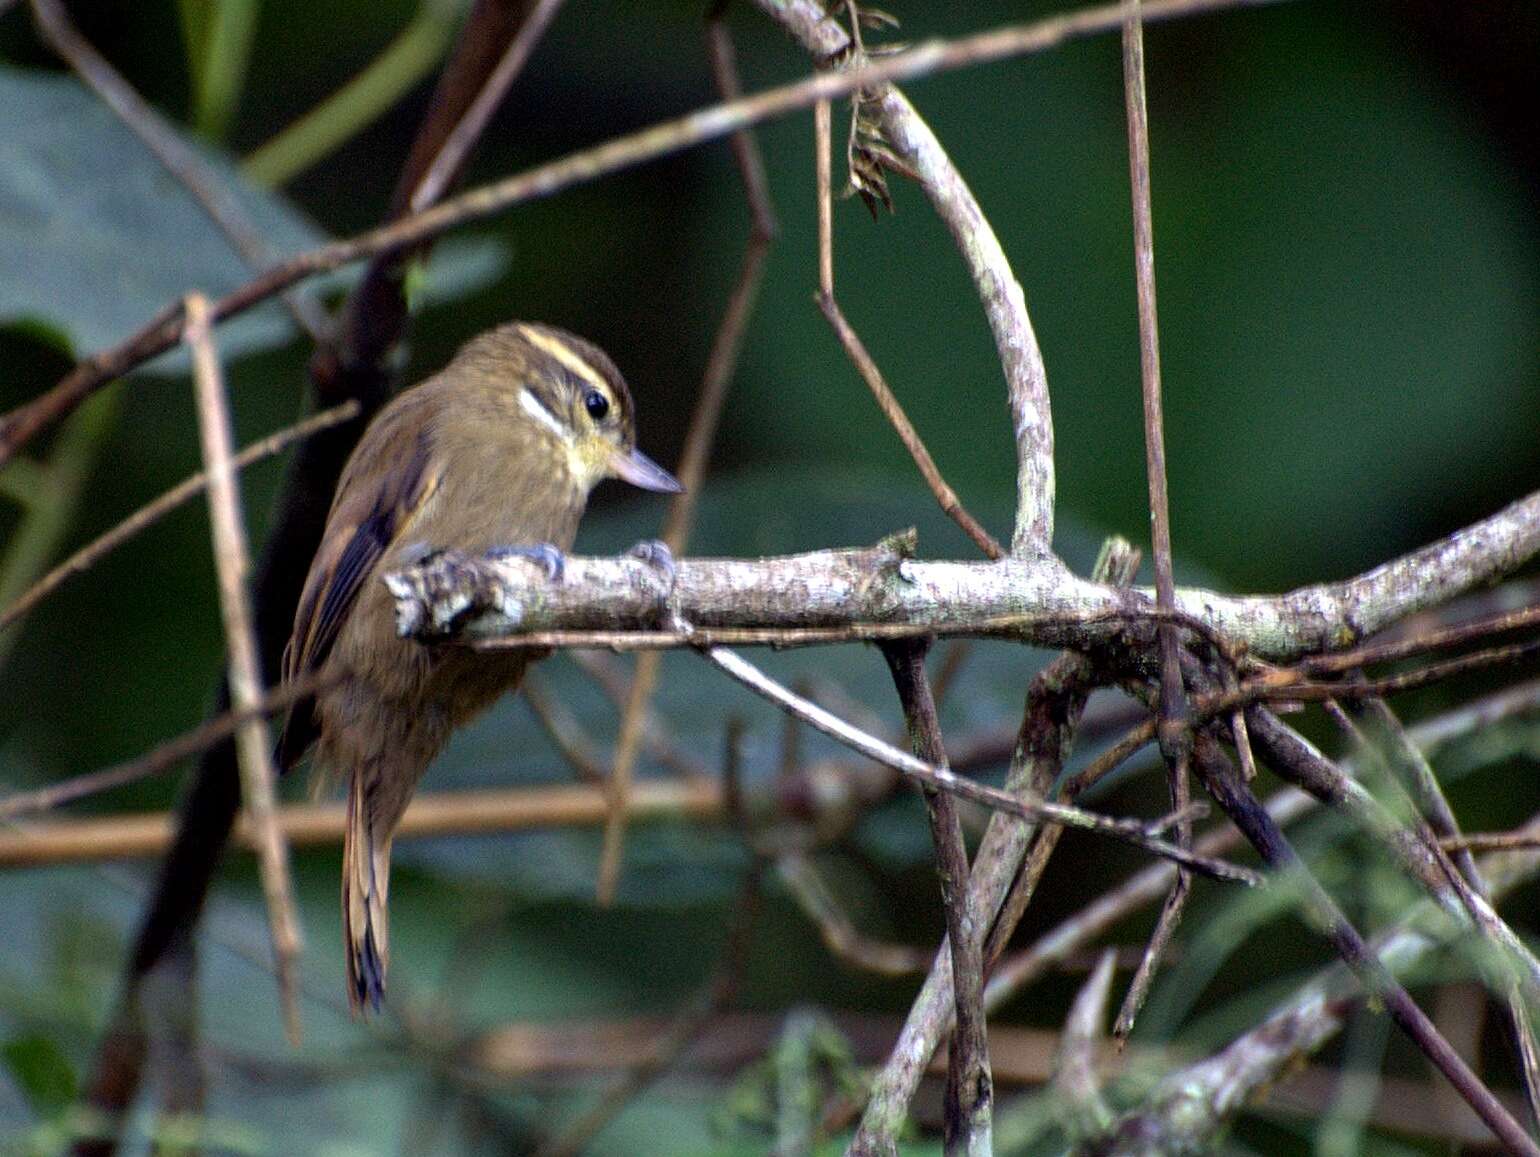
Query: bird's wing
x=368 y=515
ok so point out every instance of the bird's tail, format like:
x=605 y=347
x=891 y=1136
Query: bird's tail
x=365 y=886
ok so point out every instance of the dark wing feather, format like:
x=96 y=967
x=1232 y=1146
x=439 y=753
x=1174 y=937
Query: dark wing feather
x=368 y=514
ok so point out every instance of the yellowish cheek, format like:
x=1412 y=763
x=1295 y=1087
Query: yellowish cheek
x=588 y=461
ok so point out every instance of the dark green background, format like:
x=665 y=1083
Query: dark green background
x=1349 y=272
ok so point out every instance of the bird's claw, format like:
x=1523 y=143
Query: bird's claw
x=656 y=554
x=551 y=560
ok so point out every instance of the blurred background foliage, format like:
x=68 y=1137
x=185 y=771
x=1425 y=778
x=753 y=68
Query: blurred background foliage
x=1349 y=270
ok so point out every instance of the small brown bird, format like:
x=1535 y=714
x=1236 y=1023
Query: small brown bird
x=498 y=452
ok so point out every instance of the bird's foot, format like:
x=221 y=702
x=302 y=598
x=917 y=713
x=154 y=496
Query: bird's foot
x=655 y=553
x=551 y=560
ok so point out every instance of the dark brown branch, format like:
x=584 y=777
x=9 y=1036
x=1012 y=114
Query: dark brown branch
x=968 y=1114
x=1173 y=731
x=1232 y=794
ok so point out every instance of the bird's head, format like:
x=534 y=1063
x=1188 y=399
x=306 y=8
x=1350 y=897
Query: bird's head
x=566 y=393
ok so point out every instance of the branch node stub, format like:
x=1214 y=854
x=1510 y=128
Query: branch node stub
x=903 y=543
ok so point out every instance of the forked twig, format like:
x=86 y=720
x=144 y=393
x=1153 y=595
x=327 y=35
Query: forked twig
x=232 y=561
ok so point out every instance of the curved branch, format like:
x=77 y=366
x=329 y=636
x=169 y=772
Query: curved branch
x=1004 y=303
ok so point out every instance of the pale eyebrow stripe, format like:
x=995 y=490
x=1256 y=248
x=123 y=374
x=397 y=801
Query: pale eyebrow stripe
x=563 y=353
x=536 y=409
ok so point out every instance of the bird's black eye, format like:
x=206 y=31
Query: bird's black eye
x=596 y=404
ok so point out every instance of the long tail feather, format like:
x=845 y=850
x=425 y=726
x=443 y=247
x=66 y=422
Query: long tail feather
x=365 y=881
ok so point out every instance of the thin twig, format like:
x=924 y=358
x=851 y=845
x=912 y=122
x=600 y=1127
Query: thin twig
x=940 y=778
x=1173 y=731
x=615 y=685
x=1232 y=794
x=855 y=349
x=835 y=928
x=660 y=140
x=720 y=366
x=1491 y=841
x=457 y=146
x=232 y=561
x=1386 y=735
x=205 y=186
x=563 y=729
x=968 y=1114
x=156 y=509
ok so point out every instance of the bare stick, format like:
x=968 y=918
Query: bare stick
x=431 y=814
x=656 y=737
x=1173 y=732
x=855 y=349
x=232 y=561
x=968 y=1118
x=1226 y=786
x=156 y=509
x=457 y=146
x=720 y=365
x=1075 y=1077
x=660 y=140
x=561 y=726
x=942 y=779
x=839 y=935
x=206 y=187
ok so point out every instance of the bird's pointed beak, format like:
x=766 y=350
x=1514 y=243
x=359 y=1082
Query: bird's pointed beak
x=639 y=470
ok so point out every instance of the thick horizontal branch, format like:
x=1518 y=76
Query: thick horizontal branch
x=880 y=593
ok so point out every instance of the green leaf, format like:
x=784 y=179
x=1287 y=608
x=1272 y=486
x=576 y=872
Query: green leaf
x=41 y=1071
x=96 y=237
